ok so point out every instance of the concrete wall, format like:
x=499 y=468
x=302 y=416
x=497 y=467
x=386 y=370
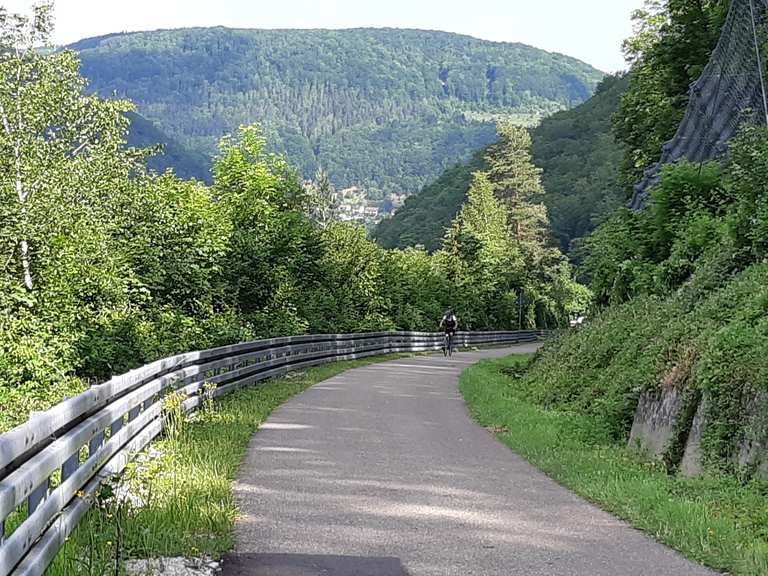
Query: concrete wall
x=655 y=421
x=662 y=422
x=691 y=464
x=752 y=451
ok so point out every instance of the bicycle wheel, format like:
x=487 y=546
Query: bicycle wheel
x=446 y=343
x=450 y=345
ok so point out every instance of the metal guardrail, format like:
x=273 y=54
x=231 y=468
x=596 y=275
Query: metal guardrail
x=52 y=465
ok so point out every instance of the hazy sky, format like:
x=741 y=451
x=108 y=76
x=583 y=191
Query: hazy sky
x=591 y=30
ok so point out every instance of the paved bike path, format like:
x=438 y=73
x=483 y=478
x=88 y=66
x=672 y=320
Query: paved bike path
x=381 y=469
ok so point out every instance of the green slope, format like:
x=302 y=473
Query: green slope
x=425 y=217
x=580 y=161
x=185 y=163
x=383 y=108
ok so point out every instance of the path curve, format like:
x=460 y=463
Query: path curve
x=382 y=465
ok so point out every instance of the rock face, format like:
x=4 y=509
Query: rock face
x=691 y=464
x=752 y=451
x=656 y=420
x=670 y=424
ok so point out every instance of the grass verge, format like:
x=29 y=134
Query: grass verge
x=713 y=520
x=183 y=485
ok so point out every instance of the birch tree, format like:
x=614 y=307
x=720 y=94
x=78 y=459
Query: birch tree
x=55 y=141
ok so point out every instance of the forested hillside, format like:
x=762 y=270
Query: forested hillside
x=580 y=161
x=424 y=218
x=385 y=109
x=107 y=265
x=186 y=164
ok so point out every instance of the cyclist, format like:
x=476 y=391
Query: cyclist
x=449 y=324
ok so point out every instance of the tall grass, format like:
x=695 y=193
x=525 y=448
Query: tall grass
x=176 y=499
x=714 y=520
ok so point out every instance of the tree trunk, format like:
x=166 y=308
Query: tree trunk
x=24 y=249
x=23 y=196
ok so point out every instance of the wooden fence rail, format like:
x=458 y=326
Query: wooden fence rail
x=52 y=465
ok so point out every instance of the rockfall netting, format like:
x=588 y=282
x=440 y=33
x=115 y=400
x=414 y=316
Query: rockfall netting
x=728 y=93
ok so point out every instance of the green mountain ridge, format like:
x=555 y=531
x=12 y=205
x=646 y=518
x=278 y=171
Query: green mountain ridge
x=384 y=109
x=580 y=162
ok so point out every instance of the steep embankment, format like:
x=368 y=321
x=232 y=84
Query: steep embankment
x=580 y=163
x=384 y=109
x=675 y=355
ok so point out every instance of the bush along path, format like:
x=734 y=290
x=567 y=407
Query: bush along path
x=715 y=520
x=381 y=467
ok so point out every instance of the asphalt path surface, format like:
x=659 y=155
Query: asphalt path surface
x=381 y=472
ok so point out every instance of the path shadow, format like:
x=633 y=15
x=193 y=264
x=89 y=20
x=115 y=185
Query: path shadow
x=309 y=565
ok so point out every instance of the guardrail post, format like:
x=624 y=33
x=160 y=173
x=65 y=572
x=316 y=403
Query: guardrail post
x=116 y=426
x=70 y=466
x=95 y=443
x=38 y=496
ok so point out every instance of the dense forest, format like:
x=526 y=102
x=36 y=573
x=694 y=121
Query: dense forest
x=580 y=159
x=169 y=154
x=681 y=287
x=108 y=265
x=424 y=218
x=387 y=110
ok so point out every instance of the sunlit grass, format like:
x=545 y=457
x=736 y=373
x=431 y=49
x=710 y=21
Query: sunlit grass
x=189 y=509
x=716 y=521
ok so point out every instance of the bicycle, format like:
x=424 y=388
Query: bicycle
x=448 y=344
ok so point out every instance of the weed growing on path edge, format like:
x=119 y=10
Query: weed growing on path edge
x=713 y=520
x=183 y=493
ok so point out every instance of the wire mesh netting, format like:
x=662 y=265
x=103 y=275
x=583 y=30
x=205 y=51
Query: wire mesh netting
x=728 y=93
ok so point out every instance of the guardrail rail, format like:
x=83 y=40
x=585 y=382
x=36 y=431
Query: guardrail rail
x=52 y=465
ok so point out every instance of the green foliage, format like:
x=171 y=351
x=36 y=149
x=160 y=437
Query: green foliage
x=579 y=160
x=517 y=183
x=685 y=284
x=671 y=46
x=349 y=294
x=717 y=520
x=497 y=255
x=387 y=110
x=416 y=288
x=656 y=250
x=479 y=260
x=746 y=184
x=601 y=368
